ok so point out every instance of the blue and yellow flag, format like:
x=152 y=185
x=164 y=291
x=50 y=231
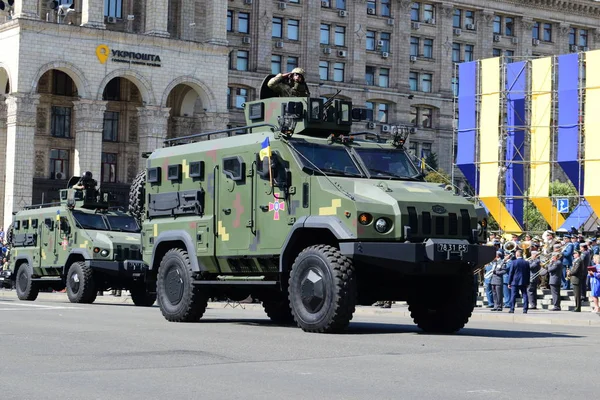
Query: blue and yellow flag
x=423 y=166
x=265 y=150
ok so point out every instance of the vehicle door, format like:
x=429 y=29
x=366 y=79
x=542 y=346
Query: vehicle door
x=48 y=256
x=233 y=205
x=64 y=234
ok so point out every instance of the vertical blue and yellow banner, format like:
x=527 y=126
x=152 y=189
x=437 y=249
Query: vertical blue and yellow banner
x=591 y=188
x=467 y=123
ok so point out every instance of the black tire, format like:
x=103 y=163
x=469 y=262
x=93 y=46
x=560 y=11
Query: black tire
x=278 y=310
x=179 y=299
x=444 y=309
x=323 y=269
x=9 y=235
x=137 y=197
x=80 y=284
x=26 y=288
x=142 y=297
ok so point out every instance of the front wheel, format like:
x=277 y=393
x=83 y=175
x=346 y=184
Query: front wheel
x=444 y=308
x=141 y=297
x=81 y=287
x=26 y=288
x=179 y=299
x=322 y=290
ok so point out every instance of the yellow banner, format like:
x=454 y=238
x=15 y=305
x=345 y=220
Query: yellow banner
x=541 y=114
x=489 y=136
x=591 y=189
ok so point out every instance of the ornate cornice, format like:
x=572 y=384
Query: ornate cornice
x=583 y=7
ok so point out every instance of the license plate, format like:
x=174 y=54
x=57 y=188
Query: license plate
x=452 y=248
x=132 y=265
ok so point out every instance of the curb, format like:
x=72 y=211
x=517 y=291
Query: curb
x=395 y=311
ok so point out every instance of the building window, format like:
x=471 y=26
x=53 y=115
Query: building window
x=547 y=32
x=371 y=5
x=59 y=164
x=370 y=75
x=421 y=116
x=113 y=8
x=414 y=46
x=384 y=77
x=243 y=23
x=509 y=55
x=292 y=62
x=241 y=97
x=229 y=21
x=413 y=80
x=456 y=52
x=457 y=18
x=583 y=38
x=496 y=52
x=385 y=38
x=110 y=128
x=275 y=64
x=425 y=150
x=340 y=4
x=572 y=36
x=380 y=111
x=109 y=167
x=386 y=9
x=62 y=84
x=370 y=40
x=277 y=27
x=415 y=11
x=497 y=25
x=338 y=72
x=455 y=86
x=340 y=36
x=412 y=148
x=428 y=48
x=469 y=48
x=470 y=17
x=425 y=82
x=61 y=122
x=325 y=33
x=242 y=60
x=428 y=13
x=112 y=91
x=509 y=26
x=535 y=31
x=323 y=70
x=293 y=28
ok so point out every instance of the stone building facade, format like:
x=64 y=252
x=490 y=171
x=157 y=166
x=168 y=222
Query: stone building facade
x=94 y=86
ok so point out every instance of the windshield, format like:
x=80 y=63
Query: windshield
x=90 y=221
x=387 y=163
x=333 y=160
x=122 y=223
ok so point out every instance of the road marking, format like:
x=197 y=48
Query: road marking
x=38 y=306
x=484 y=391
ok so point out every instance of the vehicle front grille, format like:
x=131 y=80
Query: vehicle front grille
x=424 y=225
x=125 y=253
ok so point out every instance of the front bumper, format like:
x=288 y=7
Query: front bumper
x=121 y=269
x=418 y=257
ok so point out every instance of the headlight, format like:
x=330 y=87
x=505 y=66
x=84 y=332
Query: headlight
x=382 y=225
x=104 y=253
x=479 y=228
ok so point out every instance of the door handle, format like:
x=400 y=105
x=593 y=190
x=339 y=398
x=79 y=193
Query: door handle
x=227 y=211
x=264 y=208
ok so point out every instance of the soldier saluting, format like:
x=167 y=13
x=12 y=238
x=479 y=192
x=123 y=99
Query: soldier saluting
x=291 y=84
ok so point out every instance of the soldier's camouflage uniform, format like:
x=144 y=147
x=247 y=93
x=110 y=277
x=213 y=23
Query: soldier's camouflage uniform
x=283 y=89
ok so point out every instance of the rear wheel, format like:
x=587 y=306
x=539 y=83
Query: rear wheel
x=136 y=197
x=179 y=299
x=322 y=289
x=444 y=309
x=26 y=288
x=80 y=283
x=278 y=309
x=142 y=297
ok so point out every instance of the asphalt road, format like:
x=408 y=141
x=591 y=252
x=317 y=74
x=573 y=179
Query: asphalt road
x=57 y=350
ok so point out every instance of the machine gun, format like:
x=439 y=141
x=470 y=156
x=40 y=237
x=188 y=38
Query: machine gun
x=328 y=104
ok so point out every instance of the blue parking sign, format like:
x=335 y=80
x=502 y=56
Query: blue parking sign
x=562 y=205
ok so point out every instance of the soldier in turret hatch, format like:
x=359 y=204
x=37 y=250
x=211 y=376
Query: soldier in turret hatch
x=291 y=84
x=87 y=184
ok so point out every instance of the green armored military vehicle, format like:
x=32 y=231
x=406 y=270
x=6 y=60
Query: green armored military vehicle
x=80 y=244
x=307 y=219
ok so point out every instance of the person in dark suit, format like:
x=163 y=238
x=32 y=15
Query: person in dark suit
x=574 y=275
x=518 y=281
x=534 y=279
x=555 y=270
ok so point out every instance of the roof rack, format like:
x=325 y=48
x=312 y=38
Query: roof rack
x=41 y=205
x=229 y=132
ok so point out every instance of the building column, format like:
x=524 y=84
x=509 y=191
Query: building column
x=152 y=129
x=92 y=14
x=216 y=22
x=157 y=13
x=2 y=153
x=89 y=119
x=211 y=121
x=20 y=152
x=26 y=9
x=187 y=20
